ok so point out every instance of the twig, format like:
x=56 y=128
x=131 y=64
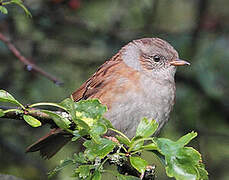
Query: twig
x=36 y=113
x=30 y=66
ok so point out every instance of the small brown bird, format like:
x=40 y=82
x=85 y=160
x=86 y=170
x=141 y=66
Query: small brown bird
x=136 y=82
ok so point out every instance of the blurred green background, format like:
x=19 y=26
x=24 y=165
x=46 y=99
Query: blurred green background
x=71 y=38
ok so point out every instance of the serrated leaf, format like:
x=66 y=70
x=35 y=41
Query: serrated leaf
x=80 y=158
x=146 y=127
x=139 y=164
x=90 y=108
x=100 y=149
x=32 y=121
x=184 y=164
x=184 y=140
x=97 y=175
x=86 y=113
x=181 y=162
x=7 y=97
x=1 y=113
x=3 y=10
x=60 y=121
x=84 y=171
x=97 y=130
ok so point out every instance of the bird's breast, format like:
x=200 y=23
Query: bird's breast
x=154 y=100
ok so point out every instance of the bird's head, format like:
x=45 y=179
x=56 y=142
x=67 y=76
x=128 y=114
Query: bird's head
x=152 y=56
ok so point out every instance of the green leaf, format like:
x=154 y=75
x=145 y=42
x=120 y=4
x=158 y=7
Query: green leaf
x=139 y=164
x=7 y=97
x=100 y=149
x=202 y=171
x=62 y=165
x=183 y=163
x=188 y=155
x=32 y=121
x=69 y=105
x=166 y=146
x=106 y=122
x=1 y=113
x=97 y=175
x=86 y=113
x=91 y=109
x=181 y=171
x=98 y=129
x=60 y=121
x=184 y=140
x=123 y=140
x=146 y=127
x=84 y=171
x=3 y=10
x=136 y=143
x=80 y=158
x=151 y=146
x=83 y=125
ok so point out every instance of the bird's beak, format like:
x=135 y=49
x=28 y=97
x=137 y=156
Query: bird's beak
x=179 y=62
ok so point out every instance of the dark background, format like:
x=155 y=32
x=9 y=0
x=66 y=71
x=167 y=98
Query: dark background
x=71 y=38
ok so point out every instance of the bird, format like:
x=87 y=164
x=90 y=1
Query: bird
x=136 y=82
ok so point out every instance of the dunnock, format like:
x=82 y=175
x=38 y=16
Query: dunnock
x=136 y=82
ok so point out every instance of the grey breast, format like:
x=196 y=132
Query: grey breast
x=154 y=102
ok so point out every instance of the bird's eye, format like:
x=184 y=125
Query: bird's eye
x=156 y=58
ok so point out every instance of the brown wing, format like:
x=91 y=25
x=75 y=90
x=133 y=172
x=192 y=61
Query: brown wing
x=112 y=77
x=51 y=143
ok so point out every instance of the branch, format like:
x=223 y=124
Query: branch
x=30 y=66
x=36 y=113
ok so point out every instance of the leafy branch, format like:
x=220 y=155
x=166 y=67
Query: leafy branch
x=85 y=119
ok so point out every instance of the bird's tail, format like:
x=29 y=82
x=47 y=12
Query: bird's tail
x=51 y=143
